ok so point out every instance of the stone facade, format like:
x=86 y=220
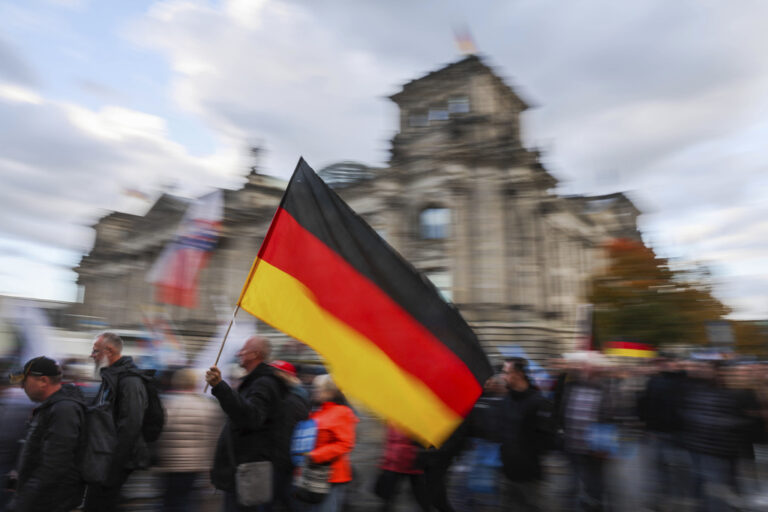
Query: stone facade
x=461 y=199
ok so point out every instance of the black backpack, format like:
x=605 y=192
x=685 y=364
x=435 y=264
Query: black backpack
x=154 y=415
x=98 y=443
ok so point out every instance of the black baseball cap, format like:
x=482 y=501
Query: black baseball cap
x=39 y=366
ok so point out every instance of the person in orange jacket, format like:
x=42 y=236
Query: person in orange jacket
x=335 y=440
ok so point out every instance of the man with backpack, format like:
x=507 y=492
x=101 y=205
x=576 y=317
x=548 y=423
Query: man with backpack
x=48 y=479
x=130 y=394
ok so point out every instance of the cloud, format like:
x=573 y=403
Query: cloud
x=13 y=68
x=663 y=99
x=64 y=165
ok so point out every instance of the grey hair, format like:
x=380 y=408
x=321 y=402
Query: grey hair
x=113 y=340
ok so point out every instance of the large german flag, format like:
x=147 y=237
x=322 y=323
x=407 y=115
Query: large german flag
x=326 y=278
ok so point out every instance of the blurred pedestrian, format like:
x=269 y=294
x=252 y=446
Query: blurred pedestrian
x=254 y=417
x=296 y=408
x=48 y=477
x=525 y=429
x=122 y=386
x=185 y=448
x=15 y=410
x=478 y=486
x=585 y=419
x=336 y=424
x=400 y=461
x=716 y=427
x=659 y=406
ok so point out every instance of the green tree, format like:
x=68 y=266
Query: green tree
x=640 y=298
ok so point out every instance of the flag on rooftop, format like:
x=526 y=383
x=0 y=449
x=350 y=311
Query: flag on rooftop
x=176 y=270
x=326 y=278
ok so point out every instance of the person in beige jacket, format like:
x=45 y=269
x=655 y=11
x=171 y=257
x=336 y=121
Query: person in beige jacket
x=185 y=448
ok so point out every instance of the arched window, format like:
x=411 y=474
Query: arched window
x=435 y=223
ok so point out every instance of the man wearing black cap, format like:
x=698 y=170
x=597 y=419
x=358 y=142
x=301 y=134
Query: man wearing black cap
x=48 y=478
x=122 y=385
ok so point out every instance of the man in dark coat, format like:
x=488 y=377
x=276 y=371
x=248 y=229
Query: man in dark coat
x=716 y=424
x=254 y=417
x=296 y=408
x=15 y=410
x=122 y=385
x=659 y=407
x=525 y=430
x=48 y=478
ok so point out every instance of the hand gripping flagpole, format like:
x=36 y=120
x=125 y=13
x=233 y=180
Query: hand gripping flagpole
x=226 y=334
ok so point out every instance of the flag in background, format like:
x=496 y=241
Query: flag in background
x=464 y=40
x=176 y=271
x=326 y=278
x=629 y=349
x=167 y=349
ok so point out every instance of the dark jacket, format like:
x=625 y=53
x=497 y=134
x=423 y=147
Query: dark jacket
x=525 y=427
x=659 y=404
x=251 y=433
x=296 y=408
x=715 y=420
x=122 y=385
x=49 y=479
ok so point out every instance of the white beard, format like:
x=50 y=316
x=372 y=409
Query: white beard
x=98 y=365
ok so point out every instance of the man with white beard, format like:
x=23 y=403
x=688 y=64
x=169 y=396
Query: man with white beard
x=123 y=387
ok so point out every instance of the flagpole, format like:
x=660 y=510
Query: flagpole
x=226 y=334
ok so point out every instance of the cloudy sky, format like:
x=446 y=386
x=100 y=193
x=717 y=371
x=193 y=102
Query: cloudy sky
x=664 y=99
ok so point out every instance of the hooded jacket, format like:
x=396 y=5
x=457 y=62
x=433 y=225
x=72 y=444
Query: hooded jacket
x=335 y=439
x=122 y=385
x=49 y=479
x=251 y=433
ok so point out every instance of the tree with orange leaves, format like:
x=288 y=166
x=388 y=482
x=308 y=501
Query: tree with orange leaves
x=641 y=298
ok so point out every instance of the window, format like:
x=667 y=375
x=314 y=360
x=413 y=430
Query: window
x=435 y=223
x=438 y=114
x=458 y=105
x=418 y=119
x=443 y=282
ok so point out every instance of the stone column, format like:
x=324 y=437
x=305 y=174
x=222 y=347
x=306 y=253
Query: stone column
x=460 y=251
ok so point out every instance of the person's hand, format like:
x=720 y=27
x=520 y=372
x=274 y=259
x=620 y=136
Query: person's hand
x=213 y=376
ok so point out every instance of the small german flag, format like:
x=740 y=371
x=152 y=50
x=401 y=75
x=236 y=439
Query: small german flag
x=629 y=349
x=326 y=278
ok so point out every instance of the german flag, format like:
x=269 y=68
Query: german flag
x=629 y=349
x=326 y=278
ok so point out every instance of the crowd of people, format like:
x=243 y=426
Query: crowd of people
x=695 y=431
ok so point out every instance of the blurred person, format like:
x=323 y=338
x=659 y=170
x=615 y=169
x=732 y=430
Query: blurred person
x=437 y=463
x=122 y=386
x=659 y=408
x=185 y=448
x=525 y=429
x=254 y=418
x=716 y=424
x=296 y=408
x=740 y=379
x=48 y=476
x=585 y=409
x=400 y=461
x=14 y=411
x=479 y=487
x=336 y=424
